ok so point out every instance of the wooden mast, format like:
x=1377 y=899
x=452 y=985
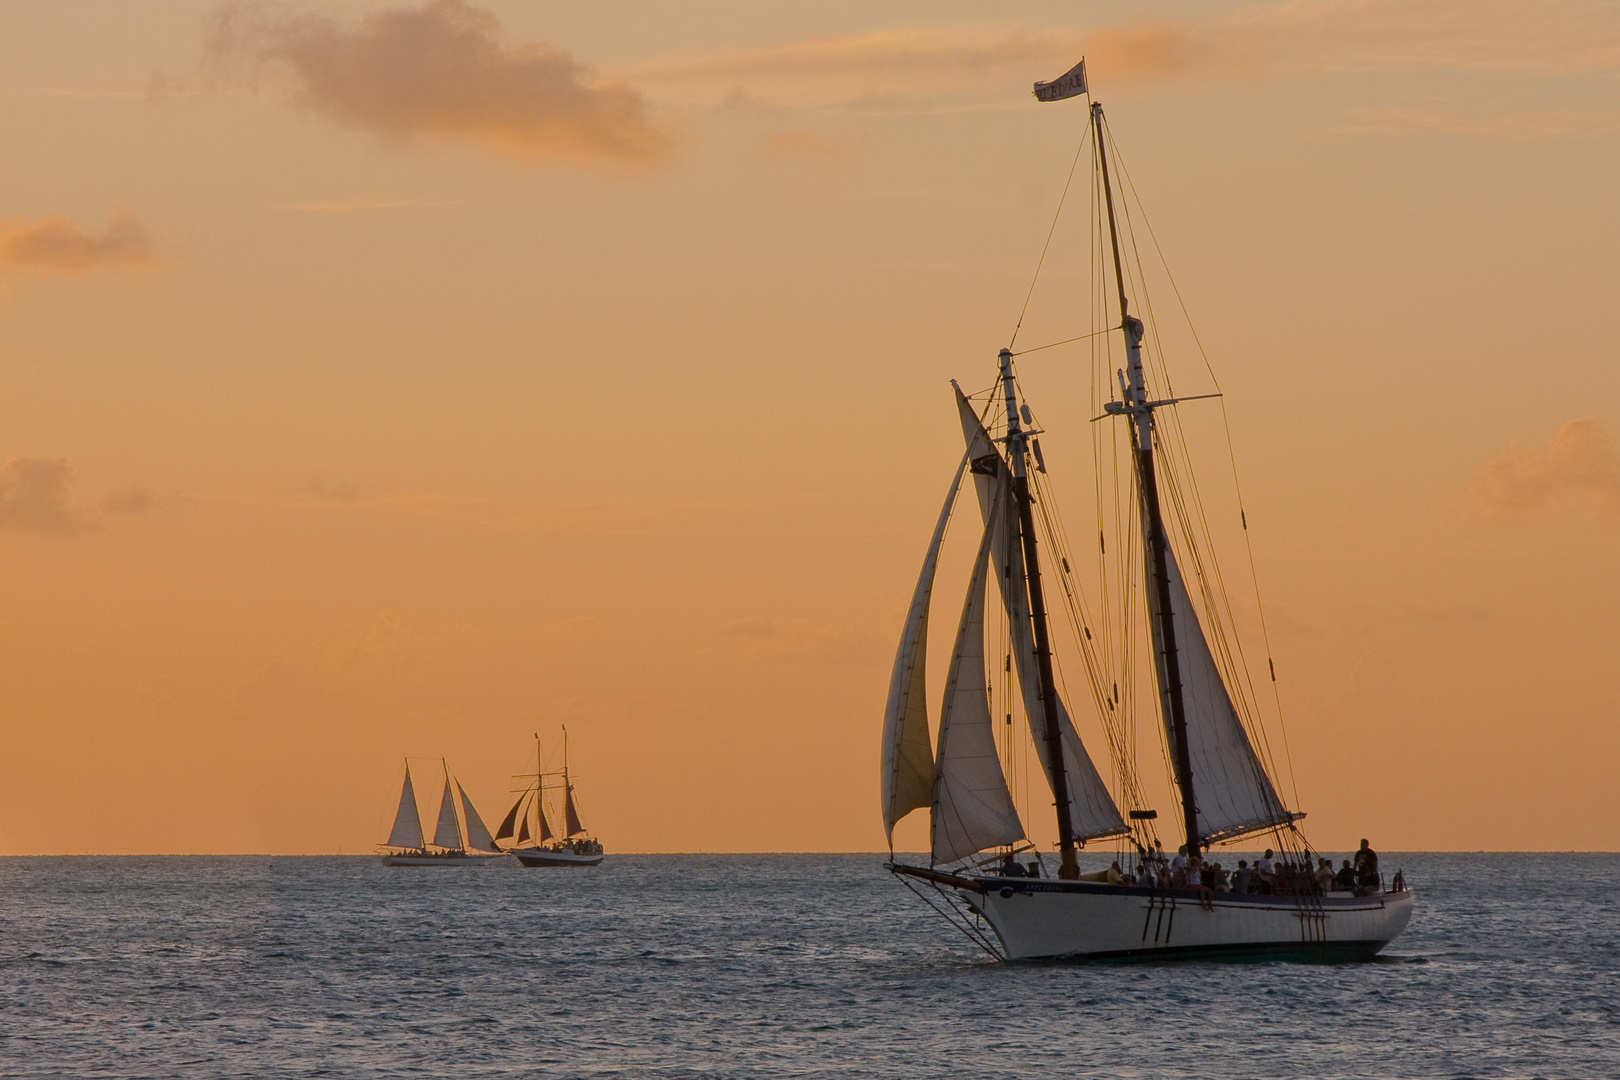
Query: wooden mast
x=1052 y=732
x=1141 y=411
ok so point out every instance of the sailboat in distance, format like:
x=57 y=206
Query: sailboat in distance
x=1166 y=624
x=458 y=839
x=541 y=845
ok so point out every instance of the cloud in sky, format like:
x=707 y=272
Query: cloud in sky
x=55 y=245
x=1531 y=125
x=442 y=72
x=804 y=143
x=1579 y=468
x=1258 y=41
x=36 y=497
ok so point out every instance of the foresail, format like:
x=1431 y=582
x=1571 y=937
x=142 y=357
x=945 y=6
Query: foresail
x=447 y=834
x=478 y=837
x=973 y=809
x=407 y=832
x=1231 y=789
x=908 y=756
x=1092 y=812
x=509 y=822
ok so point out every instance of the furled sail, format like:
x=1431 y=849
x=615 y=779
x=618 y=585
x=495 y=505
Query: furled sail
x=447 y=834
x=1231 y=790
x=570 y=815
x=908 y=756
x=478 y=837
x=1092 y=812
x=407 y=832
x=973 y=809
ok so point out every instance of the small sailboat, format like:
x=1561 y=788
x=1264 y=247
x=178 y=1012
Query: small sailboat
x=541 y=845
x=1169 y=630
x=458 y=840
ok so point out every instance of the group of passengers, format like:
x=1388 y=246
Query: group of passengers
x=1268 y=876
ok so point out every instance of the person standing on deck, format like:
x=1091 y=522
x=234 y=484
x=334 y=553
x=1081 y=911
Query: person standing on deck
x=1366 y=866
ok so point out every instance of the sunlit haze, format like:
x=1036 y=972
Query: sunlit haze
x=402 y=379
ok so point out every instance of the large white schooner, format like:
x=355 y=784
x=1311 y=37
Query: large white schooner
x=458 y=840
x=1226 y=793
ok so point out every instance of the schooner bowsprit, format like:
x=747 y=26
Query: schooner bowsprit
x=458 y=840
x=1150 y=907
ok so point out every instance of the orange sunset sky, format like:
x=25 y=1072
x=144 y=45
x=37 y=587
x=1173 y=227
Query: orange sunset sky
x=390 y=378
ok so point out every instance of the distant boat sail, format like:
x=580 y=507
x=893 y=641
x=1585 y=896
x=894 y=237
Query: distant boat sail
x=461 y=840
x=542 y=847
x=1146 y=906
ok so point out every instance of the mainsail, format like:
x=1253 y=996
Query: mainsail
x=407 y=832
x=973 y=809
x=447 y=834
x=1092 y=812
x=478 y=837
x=1231 y=789
x=908 y=757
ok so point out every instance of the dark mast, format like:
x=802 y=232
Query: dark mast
x=1141 y=412
x=1053 y=734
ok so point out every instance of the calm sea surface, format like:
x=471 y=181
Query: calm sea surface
x=745 y=966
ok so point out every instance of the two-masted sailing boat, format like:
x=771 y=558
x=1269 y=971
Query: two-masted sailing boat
x=1150 y=906
x=458 y=840
x=541 y=845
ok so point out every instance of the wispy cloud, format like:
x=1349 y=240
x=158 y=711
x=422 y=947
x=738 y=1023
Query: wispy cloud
x=1539 y=124
x=55 y=245
x=441 y=72
x=361 y=204
x=1579 y=469
x=1253 y=42
x=36 y=497
x=805 y=144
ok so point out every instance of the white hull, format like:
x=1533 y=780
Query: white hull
x=543 y=857
x=1045 y=919
x=429 y=859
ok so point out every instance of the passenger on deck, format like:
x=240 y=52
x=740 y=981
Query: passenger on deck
x=1324 y=874
x=1221 y=883
x=1112 y=874
x=1195 y=881
x=1367 y=868
x=1145 y=878
x=1346 y=877
x=1242 y=877
x=1178 y=864
x=1010 y=867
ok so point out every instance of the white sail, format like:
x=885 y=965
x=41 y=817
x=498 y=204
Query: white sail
x=407 y=832
x=478 y=837
x=973 y=809
x=447 y=833
x=1092 y=812
x=1231 y=790
x=908 y=756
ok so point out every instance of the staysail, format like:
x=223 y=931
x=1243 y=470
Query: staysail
x=1092 y=812
x=447 y=834
x=1232 y=791
x=509 y=822
x=973 y=809
x=407 y=832
x=908 y=756
x=478 y=837
x=570 y=815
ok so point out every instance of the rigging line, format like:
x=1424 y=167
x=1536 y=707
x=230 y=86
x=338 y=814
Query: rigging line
x=1240 y=667
x=1248 y=543
x=1042 y=261
x=1067 y=341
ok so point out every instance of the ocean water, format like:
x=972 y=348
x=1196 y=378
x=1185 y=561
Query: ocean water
x=755 y=966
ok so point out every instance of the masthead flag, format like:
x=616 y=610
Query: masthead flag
x=1071 y=84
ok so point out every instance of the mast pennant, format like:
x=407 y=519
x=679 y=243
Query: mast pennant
x=1071 y=84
